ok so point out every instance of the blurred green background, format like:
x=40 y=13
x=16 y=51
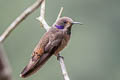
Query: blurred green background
x=94 y=49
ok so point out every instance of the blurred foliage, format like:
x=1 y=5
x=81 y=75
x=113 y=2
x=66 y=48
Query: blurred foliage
x=94 y=49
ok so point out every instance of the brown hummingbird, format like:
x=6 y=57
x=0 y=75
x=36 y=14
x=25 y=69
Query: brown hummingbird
x=50 y=44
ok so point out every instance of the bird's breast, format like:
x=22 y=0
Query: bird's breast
x=63 y=44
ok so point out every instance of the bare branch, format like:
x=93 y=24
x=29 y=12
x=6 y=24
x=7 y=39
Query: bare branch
x=63 y=67
x=42 y=11
x=19 y=19
x=60 y=13
x=5 y=70
x=41 y=18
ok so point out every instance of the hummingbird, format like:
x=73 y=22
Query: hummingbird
x=51 y=43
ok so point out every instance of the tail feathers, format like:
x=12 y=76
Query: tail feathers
x=34 y=65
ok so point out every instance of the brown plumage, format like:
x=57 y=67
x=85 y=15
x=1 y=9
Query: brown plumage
x=51 y=43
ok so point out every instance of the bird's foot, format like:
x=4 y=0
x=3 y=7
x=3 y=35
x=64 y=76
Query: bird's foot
x=58 y=57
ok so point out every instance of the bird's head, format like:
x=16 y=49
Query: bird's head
x=65 y=23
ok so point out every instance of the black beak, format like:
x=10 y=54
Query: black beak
x=77 y=23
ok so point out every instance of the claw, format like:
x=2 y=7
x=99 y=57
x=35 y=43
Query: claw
x=58 y=57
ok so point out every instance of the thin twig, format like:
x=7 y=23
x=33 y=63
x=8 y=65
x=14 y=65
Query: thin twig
x=42 y=12
x=47 y=27
x=41 y=18
x=19 y=19
x=59 y=15
x=63 y=67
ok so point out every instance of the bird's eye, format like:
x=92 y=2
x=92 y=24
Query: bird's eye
x=65 y=22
